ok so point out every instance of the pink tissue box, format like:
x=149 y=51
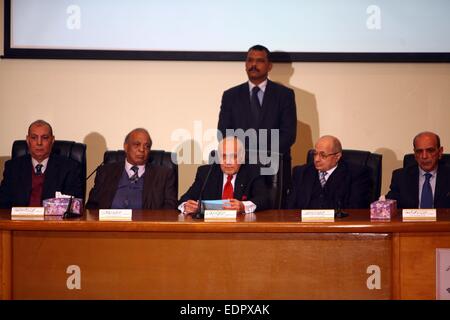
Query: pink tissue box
x=383 y=209
x=57 y=206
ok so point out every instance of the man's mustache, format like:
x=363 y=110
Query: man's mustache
x=253 y=69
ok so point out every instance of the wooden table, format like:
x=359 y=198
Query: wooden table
x=267 y=255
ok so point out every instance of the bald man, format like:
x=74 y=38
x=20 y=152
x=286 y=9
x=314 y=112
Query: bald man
x=240 y=184
x=426 y=184
x=330 y=182
x=134 y=184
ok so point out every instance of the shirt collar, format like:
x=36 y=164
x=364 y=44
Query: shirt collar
x=422 y=172
x=43 y=162
x=225 y=176
x=262 y=86
x=141 y=169
x=329 y=172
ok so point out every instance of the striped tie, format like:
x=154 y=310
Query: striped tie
x=135 y=176
x=322 y=178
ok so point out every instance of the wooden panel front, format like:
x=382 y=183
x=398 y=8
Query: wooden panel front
x=418 y=263
x=5 y=265
x=145 y=265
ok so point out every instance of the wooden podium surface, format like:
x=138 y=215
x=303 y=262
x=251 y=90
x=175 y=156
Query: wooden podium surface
x=268 y=255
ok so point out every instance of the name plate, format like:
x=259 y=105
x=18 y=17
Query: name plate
x=419 y=214
x=27 y=213
x=220 y=215
x=318 y=215
x=115 y=214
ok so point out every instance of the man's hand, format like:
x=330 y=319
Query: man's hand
x=190 y=206
x=234 y=204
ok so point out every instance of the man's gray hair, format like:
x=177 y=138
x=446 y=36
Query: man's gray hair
x=127 y=137
x=39 y=123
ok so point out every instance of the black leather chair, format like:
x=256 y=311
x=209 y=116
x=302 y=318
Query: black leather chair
x=365 y=158
x=274 y=181
x=409 y=160
x=156 y=157
x=69 y=149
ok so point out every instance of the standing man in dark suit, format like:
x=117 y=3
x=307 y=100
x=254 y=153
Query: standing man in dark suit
x=29 y=179
x=262 y=104
x=330 y=182
x=425 y=184
x=134 y=184
x=240 y=184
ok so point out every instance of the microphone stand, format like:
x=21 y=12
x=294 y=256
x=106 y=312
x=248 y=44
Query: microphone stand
x=339 y=213
x=200 y=214
x=96 y=169
x=69 y=214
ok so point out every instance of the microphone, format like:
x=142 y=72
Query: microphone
x=98 y=167
x=339 y=213
x=201 y=211
x=69 y=214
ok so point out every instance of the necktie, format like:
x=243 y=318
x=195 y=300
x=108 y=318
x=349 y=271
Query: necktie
x=322 y=178
x=254 y=103
x=135 y=176
x=426 y=200
x=228 y=189
x=39 y=169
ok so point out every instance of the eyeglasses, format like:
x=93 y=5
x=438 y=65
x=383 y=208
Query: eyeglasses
x=322 y=155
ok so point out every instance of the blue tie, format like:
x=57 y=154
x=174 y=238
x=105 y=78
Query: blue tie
x=254 y=103
x=426 y=200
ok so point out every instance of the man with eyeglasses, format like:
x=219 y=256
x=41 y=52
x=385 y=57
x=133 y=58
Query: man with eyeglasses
x=425 y=184
x=134 y=184
x=31 y=178
x=330 y=182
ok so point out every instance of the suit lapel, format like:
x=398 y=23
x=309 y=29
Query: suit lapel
x=240 y=184
x=147 y=192
x=116 y=174
x=441 y=186
x=412 y=185
x=245 y=109
x=215 y=183
x=338 y=175
x=311 y=179
x=268 y=100
x=25 y=176
x=50 y=178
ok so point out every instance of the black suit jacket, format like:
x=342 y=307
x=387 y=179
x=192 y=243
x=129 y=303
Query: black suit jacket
x=405 y=187
x=249 y=186
x=347 y=187
x=159 y=187
x=62 y=174
x=278 y=112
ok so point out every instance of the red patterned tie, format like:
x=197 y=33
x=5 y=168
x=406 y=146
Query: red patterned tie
x=228 y=189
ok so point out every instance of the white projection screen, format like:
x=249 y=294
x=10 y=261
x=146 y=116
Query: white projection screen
x=295 y=30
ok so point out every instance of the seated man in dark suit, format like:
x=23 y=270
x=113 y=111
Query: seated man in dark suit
x=425 y=184
x=29 y=179
x=232 y=180
x=330 y=182
x=134 y=184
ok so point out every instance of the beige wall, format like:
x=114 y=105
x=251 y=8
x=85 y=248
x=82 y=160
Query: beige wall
x=372 y=106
